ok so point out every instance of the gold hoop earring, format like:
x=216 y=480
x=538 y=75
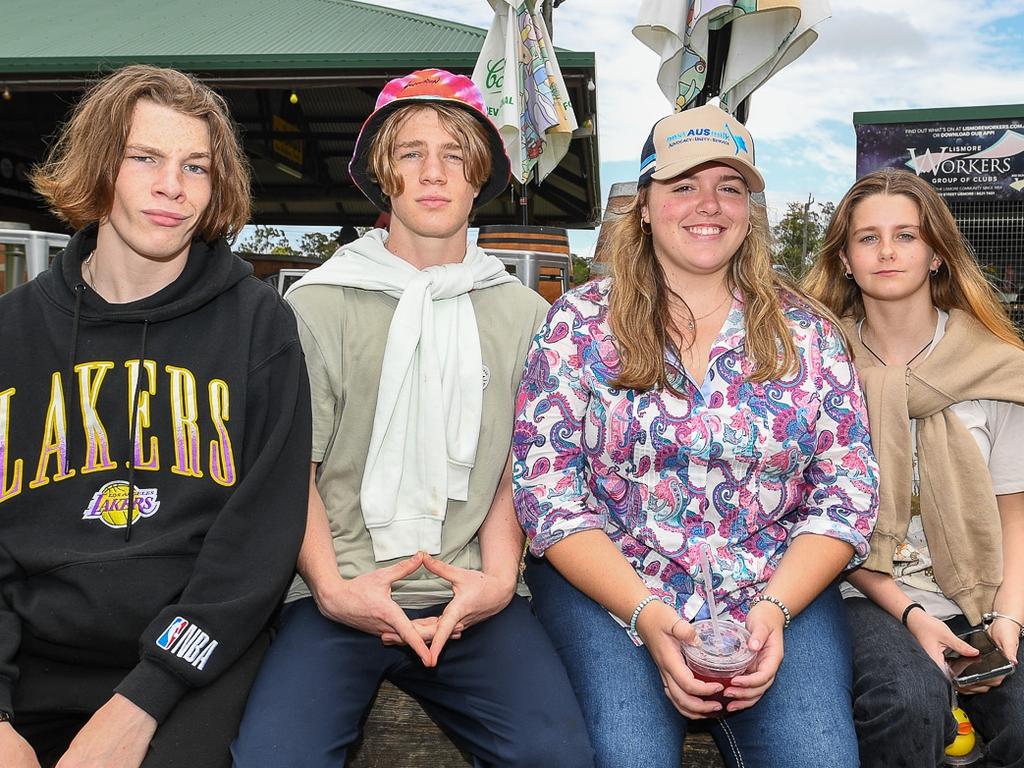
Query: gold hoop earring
x=647 y=231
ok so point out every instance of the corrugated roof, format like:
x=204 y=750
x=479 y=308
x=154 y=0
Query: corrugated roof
x=61 y=36
x=332 y=54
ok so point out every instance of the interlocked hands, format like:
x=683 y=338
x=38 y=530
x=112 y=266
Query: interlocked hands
x=365 y=603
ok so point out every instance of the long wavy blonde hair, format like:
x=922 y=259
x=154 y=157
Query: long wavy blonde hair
x=959 y=283
x=640 y=299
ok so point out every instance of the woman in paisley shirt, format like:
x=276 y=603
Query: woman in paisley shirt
x=942 y=367
x=694 y=398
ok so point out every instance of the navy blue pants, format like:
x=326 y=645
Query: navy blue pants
x=500 y=692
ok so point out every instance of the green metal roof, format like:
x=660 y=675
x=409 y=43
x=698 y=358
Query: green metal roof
x=59 y=36
x=333 y=55
x=940 y=114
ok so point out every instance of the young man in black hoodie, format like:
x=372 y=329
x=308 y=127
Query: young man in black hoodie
x=154 y=428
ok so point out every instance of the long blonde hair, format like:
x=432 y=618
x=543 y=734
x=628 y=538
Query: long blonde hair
x=959 y=283
x=639 y=302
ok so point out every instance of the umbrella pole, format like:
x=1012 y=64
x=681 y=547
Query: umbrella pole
x=719 y=42
x=524 y=202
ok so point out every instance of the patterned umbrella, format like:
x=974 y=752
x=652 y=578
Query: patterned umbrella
x=523 y=89
x=727 y=48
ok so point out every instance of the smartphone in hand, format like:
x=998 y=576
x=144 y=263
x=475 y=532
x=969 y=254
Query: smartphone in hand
x=989 y=664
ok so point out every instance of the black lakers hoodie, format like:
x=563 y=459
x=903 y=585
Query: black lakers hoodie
x=154 y=467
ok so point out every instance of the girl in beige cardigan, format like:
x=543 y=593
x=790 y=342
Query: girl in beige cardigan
x=942 y=368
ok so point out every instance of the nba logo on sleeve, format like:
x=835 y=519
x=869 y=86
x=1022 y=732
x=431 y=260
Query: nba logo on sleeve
x=172 y=633
x=188 y=642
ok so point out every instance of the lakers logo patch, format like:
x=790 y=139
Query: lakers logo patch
x=110 y=504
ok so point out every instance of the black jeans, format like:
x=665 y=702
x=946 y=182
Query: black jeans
x=901 y=699
x=53 y=701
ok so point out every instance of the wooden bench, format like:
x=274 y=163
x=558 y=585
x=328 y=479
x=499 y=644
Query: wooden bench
x=399 y=734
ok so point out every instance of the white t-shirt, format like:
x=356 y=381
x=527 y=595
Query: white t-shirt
x=997 y=428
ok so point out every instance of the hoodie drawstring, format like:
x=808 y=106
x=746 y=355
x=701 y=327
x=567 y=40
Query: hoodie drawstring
x=132 y=431
x=68 y=382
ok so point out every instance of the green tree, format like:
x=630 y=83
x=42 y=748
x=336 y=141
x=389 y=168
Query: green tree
x=319 y=245
x=791 y=250
x=580 y=270
x=267 y=240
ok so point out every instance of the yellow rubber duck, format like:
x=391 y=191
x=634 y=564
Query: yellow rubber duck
x=964 y=749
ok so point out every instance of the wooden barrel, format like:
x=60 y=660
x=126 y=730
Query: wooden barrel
x=620 y=197
x=513 y=237
x=495 y=238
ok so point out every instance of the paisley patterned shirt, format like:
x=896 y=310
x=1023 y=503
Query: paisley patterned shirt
x=742 y=466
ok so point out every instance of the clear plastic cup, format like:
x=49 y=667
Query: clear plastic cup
x=719 y=662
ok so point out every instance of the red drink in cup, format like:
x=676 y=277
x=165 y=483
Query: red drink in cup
x=719 y=660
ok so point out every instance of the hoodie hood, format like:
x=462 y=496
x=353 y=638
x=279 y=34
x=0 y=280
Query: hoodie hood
x=210 y=271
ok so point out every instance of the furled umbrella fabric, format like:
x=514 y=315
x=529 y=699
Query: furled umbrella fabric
x=523 y=89
x=757 y=35
x=766 y=35
x=677 y=30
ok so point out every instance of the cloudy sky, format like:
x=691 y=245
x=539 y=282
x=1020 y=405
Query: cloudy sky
x=899 y=54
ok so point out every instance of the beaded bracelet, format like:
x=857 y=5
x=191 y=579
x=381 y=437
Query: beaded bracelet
x=988 y=618
x=636 y=615
x=776 y=602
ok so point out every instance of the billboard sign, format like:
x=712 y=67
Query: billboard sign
x=962 y=159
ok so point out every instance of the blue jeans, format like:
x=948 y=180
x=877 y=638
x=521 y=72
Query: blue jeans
x=803 y=721
x=500 y=692
x=902 y=698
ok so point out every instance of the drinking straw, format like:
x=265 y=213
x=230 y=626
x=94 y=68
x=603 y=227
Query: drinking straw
x=709 y=591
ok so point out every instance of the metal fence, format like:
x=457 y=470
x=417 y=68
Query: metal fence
x=995 y=229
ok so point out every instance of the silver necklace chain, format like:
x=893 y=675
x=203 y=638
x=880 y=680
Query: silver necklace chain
x=90 y=280
x=692 y=323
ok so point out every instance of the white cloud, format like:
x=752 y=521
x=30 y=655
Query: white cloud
x=907 y=57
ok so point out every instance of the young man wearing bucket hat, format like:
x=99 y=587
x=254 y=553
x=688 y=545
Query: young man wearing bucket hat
x=414 y=341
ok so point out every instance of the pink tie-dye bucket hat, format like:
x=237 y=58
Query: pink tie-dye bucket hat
x=430 y=86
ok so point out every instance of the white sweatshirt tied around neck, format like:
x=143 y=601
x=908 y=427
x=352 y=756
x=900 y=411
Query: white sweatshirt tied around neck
x=427 y=421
